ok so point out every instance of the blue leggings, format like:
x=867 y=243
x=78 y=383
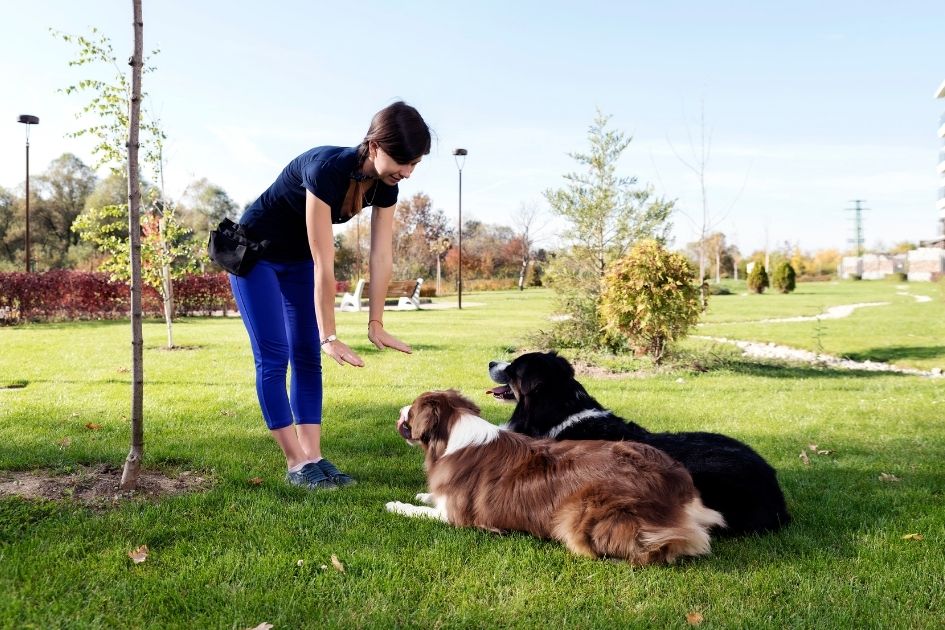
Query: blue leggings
x=277 y=304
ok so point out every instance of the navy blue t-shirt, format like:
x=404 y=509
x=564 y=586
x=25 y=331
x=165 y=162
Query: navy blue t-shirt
x=279 y=213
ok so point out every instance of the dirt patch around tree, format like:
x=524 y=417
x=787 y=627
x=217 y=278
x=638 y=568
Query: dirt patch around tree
x=96 y=486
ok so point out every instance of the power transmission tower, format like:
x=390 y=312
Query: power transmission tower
x=857 y=240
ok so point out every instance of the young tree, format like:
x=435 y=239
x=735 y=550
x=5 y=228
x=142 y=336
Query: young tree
x=110 y=106
x=650 y=299
x=129 y=476
x=528 y=224
x=606 y=214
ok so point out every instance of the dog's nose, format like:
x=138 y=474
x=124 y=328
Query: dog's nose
x=492 y=364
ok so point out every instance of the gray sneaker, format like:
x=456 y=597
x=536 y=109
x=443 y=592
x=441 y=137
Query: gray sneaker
x=337 y=477
x=312 y=477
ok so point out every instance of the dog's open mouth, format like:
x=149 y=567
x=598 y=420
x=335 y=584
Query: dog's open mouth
x=502 y=392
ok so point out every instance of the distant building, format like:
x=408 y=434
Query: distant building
x=928 y=262
x=939 y=240
x=872 y=266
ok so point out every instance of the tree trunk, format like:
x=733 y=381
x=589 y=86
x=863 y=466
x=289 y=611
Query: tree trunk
x=167 y=284
x=129 y=476
x=522 y=273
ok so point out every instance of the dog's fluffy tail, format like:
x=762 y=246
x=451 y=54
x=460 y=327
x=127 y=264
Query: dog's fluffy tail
x=688 y=538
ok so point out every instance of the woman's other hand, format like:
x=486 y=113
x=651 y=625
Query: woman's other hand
x=383 y=339
x=340 y=352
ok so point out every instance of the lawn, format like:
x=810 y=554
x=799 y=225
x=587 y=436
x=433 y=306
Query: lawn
x=239 y=554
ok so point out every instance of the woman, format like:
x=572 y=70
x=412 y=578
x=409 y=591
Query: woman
x=324 y=185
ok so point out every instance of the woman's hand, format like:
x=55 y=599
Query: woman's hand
x=341 y=353
x=383 y=339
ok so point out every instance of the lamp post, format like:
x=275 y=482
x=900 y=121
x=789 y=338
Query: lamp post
x=459 y=155
x=28 y=120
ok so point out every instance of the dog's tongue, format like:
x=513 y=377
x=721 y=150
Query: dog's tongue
x=502 y=392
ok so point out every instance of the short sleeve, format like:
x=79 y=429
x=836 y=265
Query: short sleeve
x=318 y=179
x=386 y=196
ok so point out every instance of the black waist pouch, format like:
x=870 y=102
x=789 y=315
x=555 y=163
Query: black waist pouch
x=230 y=248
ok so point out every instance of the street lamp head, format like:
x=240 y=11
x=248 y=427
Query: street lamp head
x=459 y=156
x=26 y=119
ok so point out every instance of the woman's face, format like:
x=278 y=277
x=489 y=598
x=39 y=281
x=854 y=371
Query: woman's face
x=388 y=170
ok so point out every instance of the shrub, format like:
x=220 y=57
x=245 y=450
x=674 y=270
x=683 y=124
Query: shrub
x=784 y=277
x=719 y=289
x=69 y=295
x=758 y=278
x=650 y=298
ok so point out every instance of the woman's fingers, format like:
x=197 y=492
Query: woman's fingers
x=343 y=354
x=389 y=341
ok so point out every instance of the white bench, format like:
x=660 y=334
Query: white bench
x=407 y=293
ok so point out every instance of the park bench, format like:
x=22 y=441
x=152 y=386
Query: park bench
x=407 y=293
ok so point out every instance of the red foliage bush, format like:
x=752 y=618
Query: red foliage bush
x=65 y=295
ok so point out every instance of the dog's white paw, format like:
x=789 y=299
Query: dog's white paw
x=397 y=507
x=425 y=497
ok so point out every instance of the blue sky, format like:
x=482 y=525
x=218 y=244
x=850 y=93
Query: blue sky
x=809 y=104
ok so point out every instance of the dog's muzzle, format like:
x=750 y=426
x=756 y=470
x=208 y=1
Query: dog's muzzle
x=497 y=372
x=402 y=427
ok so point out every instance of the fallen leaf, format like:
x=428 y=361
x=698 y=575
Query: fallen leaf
x=335 y=562
x=255 y=481
x=324 y=567
x=680 y=380
x=91 y=426
x=694 y=618
x=224 y=412
x=887 y=477
x=300 y=563
x=825 y=452
x=805 y=458
x=263 y=626
x=123 y=370
x=913 y=537
x=812 y=447
x=64 y=442
x=139 y=555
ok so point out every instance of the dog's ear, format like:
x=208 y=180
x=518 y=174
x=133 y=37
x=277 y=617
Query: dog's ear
x=460 y=403
x=436 y=409
x=562 y=364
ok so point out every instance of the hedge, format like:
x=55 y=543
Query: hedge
x=68 y=295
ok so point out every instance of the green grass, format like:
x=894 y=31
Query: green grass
x=228 y=557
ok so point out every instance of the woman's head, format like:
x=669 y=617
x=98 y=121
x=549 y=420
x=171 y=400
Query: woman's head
x=395 y=142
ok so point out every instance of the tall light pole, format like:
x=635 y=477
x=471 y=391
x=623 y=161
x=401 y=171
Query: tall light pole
x=459 y=155
x=28 y=120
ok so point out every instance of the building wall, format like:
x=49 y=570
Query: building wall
x=940 y=93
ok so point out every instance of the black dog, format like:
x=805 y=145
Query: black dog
x=731 y=477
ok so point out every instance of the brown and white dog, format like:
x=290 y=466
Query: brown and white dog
x=601 y=499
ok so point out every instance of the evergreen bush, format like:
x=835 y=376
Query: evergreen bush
x=758 y=278
x=784 y=277
x=650 y=298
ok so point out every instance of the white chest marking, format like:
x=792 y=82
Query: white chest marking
x=470 y=430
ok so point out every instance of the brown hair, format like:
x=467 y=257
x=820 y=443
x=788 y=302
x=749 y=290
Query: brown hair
x=400 y=131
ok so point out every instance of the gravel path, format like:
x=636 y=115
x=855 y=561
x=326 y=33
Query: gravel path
x=761 y=350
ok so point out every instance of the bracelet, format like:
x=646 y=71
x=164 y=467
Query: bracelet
x=376 y=320
x=328 y=339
